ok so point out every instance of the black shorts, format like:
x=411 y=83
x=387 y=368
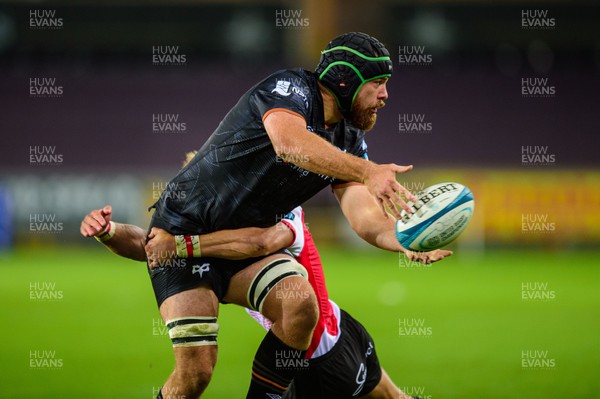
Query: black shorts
x=178 y=275
x=184 y=274
x=351 y=369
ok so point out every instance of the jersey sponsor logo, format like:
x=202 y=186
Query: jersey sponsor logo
x=287 y=87
x=361 y=376
x=369 y=350
x=201 y=269
x=302 y=94
x=282 y=87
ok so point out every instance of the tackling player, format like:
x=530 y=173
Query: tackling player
x=343 y=361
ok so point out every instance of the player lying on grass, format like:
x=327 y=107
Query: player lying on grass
x=342 y=358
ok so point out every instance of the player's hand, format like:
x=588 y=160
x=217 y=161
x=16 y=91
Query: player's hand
x=95 y=222
x=427 y=257
x=160 y=247
x=382 y=184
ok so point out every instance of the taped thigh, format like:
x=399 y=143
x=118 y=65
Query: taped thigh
x=193 y=331
x=272 y=273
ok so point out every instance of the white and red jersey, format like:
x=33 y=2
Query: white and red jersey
x=327 y=331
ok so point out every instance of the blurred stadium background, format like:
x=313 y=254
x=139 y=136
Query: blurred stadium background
x=101 y=99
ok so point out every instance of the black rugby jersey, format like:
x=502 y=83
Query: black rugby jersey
x=236 y=179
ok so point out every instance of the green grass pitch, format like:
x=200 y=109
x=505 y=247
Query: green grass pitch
x=81 y=322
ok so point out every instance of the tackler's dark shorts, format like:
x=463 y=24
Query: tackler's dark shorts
x=349 y=370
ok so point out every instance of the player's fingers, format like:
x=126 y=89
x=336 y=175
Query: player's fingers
x=83 y=230
x=91 y=231
x=107 y=216
x=149 y=247
x=392 y=208
x=419 y=257
x=96 y=214
x=436 y=256
x=402 y=169
x=99 y=218
x=151 y=261
x=410 y=255
x=107 y=209
x=440 y=254
x=433 y=257
x=400 y=202
x=423 y=257
x=381 y=203
x=393 y=192
x=407 y=194
x=93 y=223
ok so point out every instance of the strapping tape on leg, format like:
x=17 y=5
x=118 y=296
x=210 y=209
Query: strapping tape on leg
x=193 y=331
x=272 y=273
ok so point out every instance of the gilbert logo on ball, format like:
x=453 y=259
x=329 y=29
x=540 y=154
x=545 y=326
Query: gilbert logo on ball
x=441 y=213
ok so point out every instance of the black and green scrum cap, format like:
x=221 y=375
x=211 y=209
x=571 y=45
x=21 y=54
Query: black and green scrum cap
x=348 y=62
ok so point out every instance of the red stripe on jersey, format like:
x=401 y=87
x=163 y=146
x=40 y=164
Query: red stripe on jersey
x=309 y=258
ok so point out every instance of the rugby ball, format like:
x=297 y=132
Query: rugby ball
x=441 y=213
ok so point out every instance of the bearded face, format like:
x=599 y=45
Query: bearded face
x=364 y=116
x=369 y=99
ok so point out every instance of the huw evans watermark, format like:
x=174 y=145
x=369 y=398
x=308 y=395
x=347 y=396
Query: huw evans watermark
x=44 y=223
x=290 y=19
x=537 y=223
x=44 y=291
x=537 y=19
x=45 y=360
x=537 y=155
x=414 y=123
x=168 y=123
x=538 y=291
x=168 y=56
x=414 y=56
x=45 y=19
x=537 y=360
x=45 y=88
x=537 y=88
x=414 y=327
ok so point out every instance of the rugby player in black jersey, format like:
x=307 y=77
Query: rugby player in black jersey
x=237 y=180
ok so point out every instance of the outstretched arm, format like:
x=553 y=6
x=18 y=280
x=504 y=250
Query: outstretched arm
x=294 y=143
x=366 y=220
x=249 y=242
x=123 y=239
x=129 y=241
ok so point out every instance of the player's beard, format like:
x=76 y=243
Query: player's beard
x=364 y=118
